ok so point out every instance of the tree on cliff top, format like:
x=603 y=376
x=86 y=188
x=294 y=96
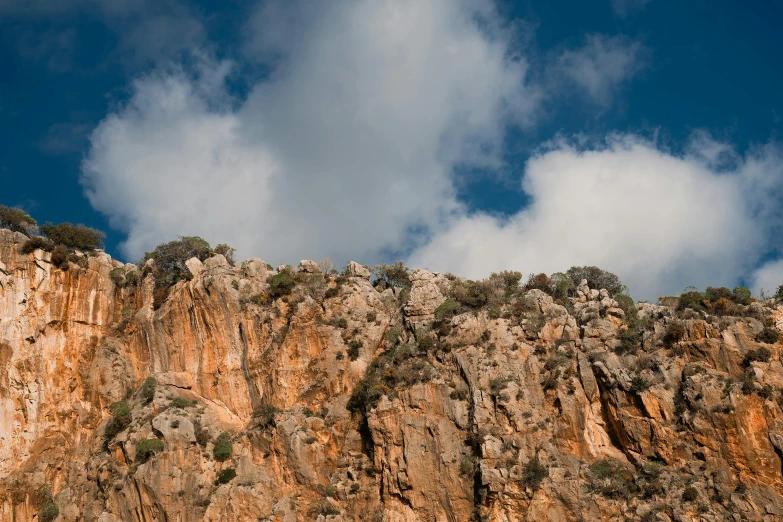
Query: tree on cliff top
x=73 y=236
x=169 y=259
x=16 y=219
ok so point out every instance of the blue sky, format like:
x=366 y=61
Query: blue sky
x=469 y=136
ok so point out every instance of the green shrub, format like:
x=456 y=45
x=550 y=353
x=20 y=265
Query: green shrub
x=353 y=349
x=227 y=252
x=396 y=275
x=59 y=256
x=597 y=279
x=768 y=335
x=281 y=284
x=474 y=294
x=223 y=449
x=117 y=276
x=674 y=333
x=73 y=236
x=563 y=286
x=119 y=408
x=539 y=282
x=227 y=475
x=762 y=354
x=393 y=334
x=202 y=435
x=265 y=415
x=169 y=259
x=534 y=473
x=639 y=384
x=147 y=448
x=147 y=391
x=690 y=494
x=467 y=465
x=446 y=310
x=48 y=511
x=36 y=243
x=741 y=295
x=16 y=219
x=179 y=402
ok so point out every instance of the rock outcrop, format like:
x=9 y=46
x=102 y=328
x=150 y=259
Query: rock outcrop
x=344 y=402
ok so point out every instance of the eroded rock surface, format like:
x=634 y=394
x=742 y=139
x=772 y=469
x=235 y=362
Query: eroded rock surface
x=371 y=408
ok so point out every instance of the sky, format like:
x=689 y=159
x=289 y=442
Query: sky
x=464 y=136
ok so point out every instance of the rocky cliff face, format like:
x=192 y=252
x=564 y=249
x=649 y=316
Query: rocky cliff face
x=342 y=402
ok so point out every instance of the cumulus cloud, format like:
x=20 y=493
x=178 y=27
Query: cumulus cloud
x=346 y=150
x=660 y=220
x=601 y=65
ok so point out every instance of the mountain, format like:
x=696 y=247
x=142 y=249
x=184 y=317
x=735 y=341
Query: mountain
x=251 y=393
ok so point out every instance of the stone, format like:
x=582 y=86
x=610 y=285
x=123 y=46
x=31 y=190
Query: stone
x=195 y=266
x=309 y=267
x=354 y=269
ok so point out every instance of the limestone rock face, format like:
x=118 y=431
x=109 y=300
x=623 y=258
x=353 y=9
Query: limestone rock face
x=340 y=402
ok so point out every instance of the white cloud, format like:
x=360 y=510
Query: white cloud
x=344 y=151
x=625 y=8
x=602 y=65
x=768 y=278
x=659 y=220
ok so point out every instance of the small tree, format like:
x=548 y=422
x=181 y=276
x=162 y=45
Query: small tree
x=16 y=219
x=281 y=284
x=73 y=236
x=169 y=259
x=597 y=279
x=227 y=252
x=396 y=275
x=223 y=450
x=147 y=448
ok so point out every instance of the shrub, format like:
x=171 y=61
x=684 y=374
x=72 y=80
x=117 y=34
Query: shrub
x=779 y=292
x=690 y=494
x=353 y=349
x=674 y=333
x=741 y=295
x=539 y=282
x=227 y=252
x=768 y=335
x=639 y=384
x=534 y=473
x=281 y=284
x=147 y=448
x=117 y=276
x=202 y=435
x=371 y=316
x=467 y=465
x=73 y=236
x=265 y=415
x=396 y=275
x=474 y=294
x=59 y=256
x=223 y=449
x=507 y=280
x=169 y=259
x=446 y=310
x=16 y=219
x=179 y=402
x=36 y=243
x=597 y=279
x=147 y=391
x=762 y=354
x=392 y=335
x=227 y=475
x=48 y=511
x=120 y=408
x=562 y=286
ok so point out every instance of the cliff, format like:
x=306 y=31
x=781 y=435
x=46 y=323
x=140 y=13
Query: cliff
x=343 y=402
